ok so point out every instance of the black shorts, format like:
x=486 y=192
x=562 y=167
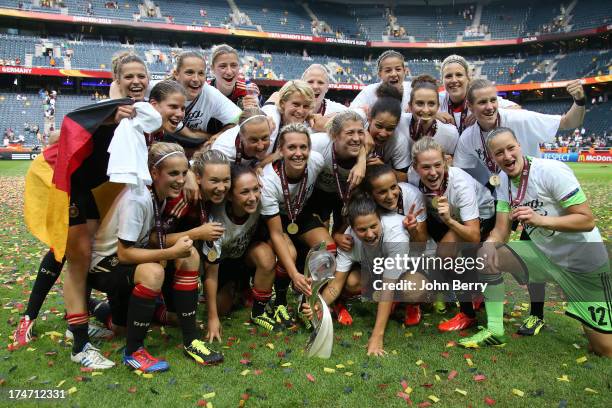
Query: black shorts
x=117 y=281
x=323 y=204
x=82 y=207
x=437 y=229
x=234 y=270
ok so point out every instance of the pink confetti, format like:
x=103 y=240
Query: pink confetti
x=479 y=377
x=452 y=374
x=310 y=377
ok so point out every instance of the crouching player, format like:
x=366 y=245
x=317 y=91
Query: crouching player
x=565 y=247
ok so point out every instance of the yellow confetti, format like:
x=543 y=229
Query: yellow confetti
x=591 y=390
x=350 y=362
x=451 y=344
x=518 y=392
x=525 y=305
x=408 y=334
x=245 y=372
x=407 y=390
x=59 y=384
x=54 y=334
x=419 y=362
x=138 y=372
x=357 y=334
x=581 y=360
x=95 y=373
x=147 y=375
x=72 y=390
x=339 y=366
x=469 y=361
x=31 y=349
x=348 y=374
x=329 y=370
x=434 y=398
x=394 y=352
x=563 y=378
x=576 y=346
x=270 y=346
x=209 y=405
x=286 y=365
x=462 y=392
x=437 y=377
x=208 y=396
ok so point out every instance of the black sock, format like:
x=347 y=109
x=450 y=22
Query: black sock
x=281 y=284
x=48 y=272
x=140 y=314
x=467 y=309
x=78 y=325
x=100 y=309
x=185 y=288
x=536 y=294
x=260 y=300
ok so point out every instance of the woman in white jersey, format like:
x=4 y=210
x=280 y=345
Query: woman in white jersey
x=531 y=128
x=392 y=196
x=317 y=77
x=460 y=211
x=287 y=185
x=565 y=247
x=455 y=74
x=225 y=64
x=239 y=254
x=391 y=70
x=421 y=121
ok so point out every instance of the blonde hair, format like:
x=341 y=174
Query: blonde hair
x=293 y=128
x=201 y=159
x=475 y=85
x=160 y=150
x=424 y=144
x=455 y=59
x=292 y=87
x=316 y=66
x=335 y=126
x=221 y=49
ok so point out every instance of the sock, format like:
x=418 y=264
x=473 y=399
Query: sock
x=260 y=300
x=161 y=313
x=48 y=272
x=536 y=294
x=77 y=324
x=140 y=312
x=467 y=309
x=185 y=288
x=99 y=309
x=494 y=305
x=281 y=283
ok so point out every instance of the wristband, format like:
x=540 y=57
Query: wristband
x=580 y=102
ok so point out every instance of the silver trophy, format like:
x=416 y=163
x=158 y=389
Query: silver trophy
x=320 y=266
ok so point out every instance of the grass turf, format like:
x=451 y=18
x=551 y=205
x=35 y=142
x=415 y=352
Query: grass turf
x=272 y=370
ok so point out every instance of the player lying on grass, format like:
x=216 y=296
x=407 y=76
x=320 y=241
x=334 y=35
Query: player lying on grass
x=565 y=245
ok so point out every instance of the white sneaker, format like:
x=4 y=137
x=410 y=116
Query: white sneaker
x=91 y=357
x=94 y=332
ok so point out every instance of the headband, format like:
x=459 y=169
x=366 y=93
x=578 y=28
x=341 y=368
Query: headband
x=252 y=117
x=166 y=155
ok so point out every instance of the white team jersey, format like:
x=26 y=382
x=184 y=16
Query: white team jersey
x=531 y=129
x=446 y=135
x=412 y=195
x=236 y=237
x=396 y=151
x=443 y=98
x=394 y=241
x=272 y=198
x=367 y=97
x=210 y=104
x=226 y=143
x=551 y=182
x=272 y=112
x=323 y=144
x=332 y=107
x=130 y=218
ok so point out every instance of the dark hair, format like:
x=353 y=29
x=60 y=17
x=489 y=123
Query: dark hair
x=164 y=88
x=389 y=101
x=122 y=58
x=187 y=54
x=388 y=54
x=496 y=132
x=424 y=82
x=372 y=173
x=238 y=170
x=359 y=205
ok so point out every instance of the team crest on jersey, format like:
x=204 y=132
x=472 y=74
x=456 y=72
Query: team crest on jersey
x=114 y=261
x=73 y=211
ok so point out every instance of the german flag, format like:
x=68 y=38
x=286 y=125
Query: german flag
x=80 y=156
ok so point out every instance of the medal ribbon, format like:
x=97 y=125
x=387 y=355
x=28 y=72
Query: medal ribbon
x=425 y=190
x=491 y=165
x=464 y=111
x=322 y=108
x=343 y=192
x=400 y=202
x=279 y=168
x=416 y=129
x=161 y=235
x=204 y=211
x=522 y=187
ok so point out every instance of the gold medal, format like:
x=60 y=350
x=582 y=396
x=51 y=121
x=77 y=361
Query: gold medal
x=212 y=255
x=434 y=202
x=293 y=228
x=494 y=180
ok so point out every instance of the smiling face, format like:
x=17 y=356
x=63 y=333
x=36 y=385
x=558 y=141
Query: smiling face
x=318 y=81
x=424 y=104
x=484 y=107
x=169 y=176
x=245 y=194
x=255 y=137
x=455 y=81
x=226 y=69
x=172 y=111
x=431 y=168
x=192 y=75
x=295 y=150
x=133 y=81
x=382 y=127
x=386 y=191
x=393 y=71
x=295 y=109
x=215 y=182
x=507 y=153
x=350 y=139
x=368 y=228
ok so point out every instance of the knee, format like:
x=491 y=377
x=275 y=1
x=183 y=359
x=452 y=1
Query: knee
x=603 y=349
x=150 y=275
x=353 y=283
x=263 y=258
